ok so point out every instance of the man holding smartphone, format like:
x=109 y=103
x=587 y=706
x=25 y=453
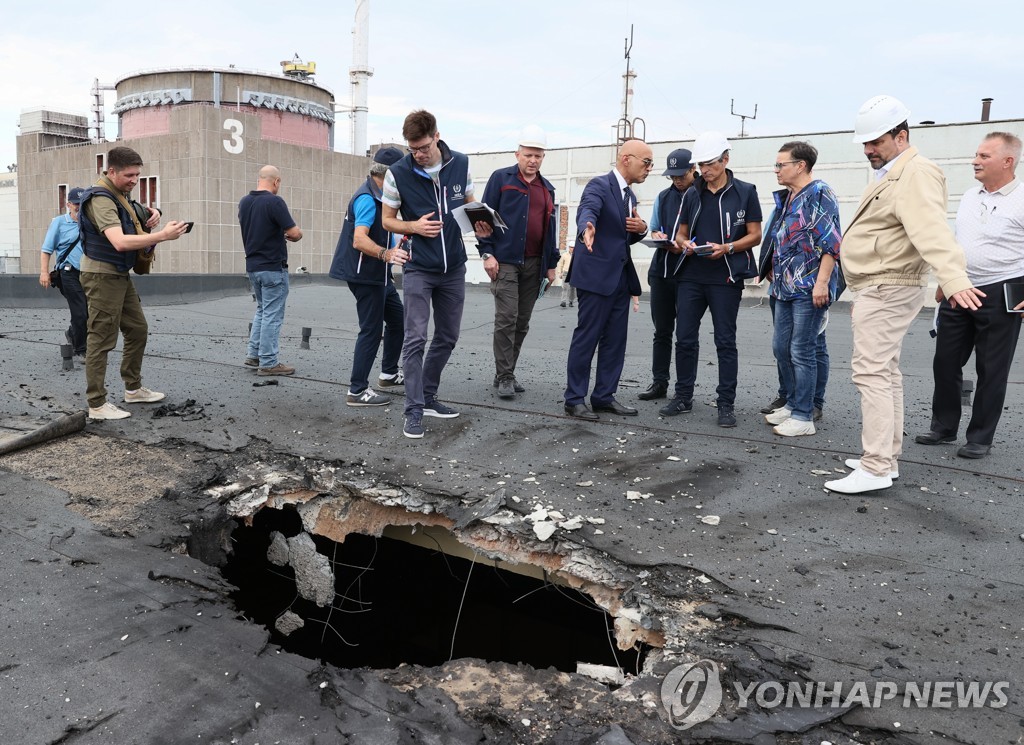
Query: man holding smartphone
x=519 y=259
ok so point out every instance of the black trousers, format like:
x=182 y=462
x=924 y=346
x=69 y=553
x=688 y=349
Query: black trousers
x=991 y=334
x=71 y=288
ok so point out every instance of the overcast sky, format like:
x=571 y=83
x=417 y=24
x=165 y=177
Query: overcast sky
x=486 y=68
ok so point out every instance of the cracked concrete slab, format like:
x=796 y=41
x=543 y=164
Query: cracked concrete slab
x=802 y=582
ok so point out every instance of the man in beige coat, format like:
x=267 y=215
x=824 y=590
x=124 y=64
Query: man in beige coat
x=898 y=230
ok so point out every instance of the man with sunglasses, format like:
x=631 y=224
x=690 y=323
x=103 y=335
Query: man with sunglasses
x=898 y=230
x=602 y=272
x=661 y=275
x=420 y=192
x=719 y=225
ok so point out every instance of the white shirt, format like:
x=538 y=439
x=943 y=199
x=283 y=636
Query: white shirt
x=880 y=173
x=990 y=228
x=622 y=189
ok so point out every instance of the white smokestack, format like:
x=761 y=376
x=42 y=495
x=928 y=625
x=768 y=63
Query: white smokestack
x=359 y=75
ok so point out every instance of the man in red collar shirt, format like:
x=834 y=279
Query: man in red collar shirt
x=518 y=259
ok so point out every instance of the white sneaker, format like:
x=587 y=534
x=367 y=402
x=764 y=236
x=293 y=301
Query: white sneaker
x=142 y=396
x=854 y=463
x=779 y=415
x=108 y=411
x=858 y=482
x=794 y=428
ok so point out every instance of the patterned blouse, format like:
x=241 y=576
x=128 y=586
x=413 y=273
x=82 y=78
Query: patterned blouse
x=800 y=233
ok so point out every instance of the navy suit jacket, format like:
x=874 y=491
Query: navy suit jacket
x=599 y=271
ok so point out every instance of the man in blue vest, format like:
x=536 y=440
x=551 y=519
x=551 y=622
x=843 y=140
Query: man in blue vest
x=112 y=233
x=661 y=275
x=363 y=258
x=518 y=259
x=424 y=188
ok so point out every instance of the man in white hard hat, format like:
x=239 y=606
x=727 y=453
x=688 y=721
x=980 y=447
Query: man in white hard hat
x=719 y=225
x=518 y=259
x=990 y=227
x=897 y=232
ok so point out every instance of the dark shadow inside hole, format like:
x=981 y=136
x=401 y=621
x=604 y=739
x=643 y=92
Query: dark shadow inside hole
x=399 y=603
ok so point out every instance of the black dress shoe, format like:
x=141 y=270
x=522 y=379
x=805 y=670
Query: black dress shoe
x=974 y=450
x=654 y=391
x=934 y=438
x=580 y=411
x=614 y=407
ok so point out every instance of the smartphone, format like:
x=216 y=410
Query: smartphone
x=188 y=227
x=703 y=250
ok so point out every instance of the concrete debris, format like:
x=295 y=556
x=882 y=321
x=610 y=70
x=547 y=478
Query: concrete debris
x=772 y=531
x=821 y=472
x=544 y=529
x=703 y=580
x=288 y=622
x=277 y=551
x=601 y=673
x=672 y=457
x=711 y=519
x=313 y=576
x=188 y=411
x=555 y=514
x=538 y=515
x=574 y=524
x=505 y=518
x=246 y=504
x=584 y=483
x=596 y=520
x=635 y=495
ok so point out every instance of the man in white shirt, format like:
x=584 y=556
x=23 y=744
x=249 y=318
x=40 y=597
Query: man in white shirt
x=990 y=228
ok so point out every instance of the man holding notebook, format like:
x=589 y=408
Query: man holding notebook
x=990 y=228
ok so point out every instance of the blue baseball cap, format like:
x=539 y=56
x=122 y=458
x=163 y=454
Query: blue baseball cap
x=75 y=195
x=388 y=156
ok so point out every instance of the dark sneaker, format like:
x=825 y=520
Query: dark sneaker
x=252 y=362
x=395 y=382
x=774 y=405
x=413 y=428
x=506 y=389
x=434 y=407
x=726 y=418
x=369 y=397
x=817 y=414
x=677 y=405
x=515 y=384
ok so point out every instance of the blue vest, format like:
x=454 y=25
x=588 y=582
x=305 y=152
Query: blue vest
x=94 y=244
x=668 y=217
x=353 y=265
x=421 y=196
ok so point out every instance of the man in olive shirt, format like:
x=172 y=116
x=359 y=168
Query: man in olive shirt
x=112 y=234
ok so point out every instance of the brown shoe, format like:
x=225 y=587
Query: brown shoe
x=277 y=369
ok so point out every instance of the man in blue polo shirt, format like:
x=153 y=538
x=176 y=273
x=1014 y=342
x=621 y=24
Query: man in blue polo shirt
x=266 y=226
x=363 y=258
x=62 y=240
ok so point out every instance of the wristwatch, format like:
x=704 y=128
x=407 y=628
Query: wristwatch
x=485 y=257
x=732 y=247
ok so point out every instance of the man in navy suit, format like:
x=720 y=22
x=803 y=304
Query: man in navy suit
x=602 y=272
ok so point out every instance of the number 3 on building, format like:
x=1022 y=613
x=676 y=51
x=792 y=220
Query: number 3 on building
x=234 y=143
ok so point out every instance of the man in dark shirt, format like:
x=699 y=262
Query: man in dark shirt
x=266 y=226
x=518 y=259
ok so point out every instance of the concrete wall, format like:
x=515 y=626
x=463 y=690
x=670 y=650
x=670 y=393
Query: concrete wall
x=206 y=162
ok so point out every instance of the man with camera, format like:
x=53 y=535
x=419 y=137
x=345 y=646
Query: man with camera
x=112 y=236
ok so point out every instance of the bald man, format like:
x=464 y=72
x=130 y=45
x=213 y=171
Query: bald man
x=266 y=226
x=602 y=272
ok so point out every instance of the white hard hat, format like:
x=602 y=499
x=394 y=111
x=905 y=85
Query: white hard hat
x=877 y=116
x=709 y=146
x=533 y=136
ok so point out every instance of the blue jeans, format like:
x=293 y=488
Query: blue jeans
x=795 y=344
x=376 y=305
x=446 y=294
x=271 y=291
x=821 y=355
x=692 y=301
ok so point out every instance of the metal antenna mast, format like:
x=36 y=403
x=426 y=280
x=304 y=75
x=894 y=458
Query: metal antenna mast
x=629 y=128
x=743 y=117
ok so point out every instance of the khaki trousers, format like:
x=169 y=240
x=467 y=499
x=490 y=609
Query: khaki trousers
x=881 y=316
x=113 y=304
